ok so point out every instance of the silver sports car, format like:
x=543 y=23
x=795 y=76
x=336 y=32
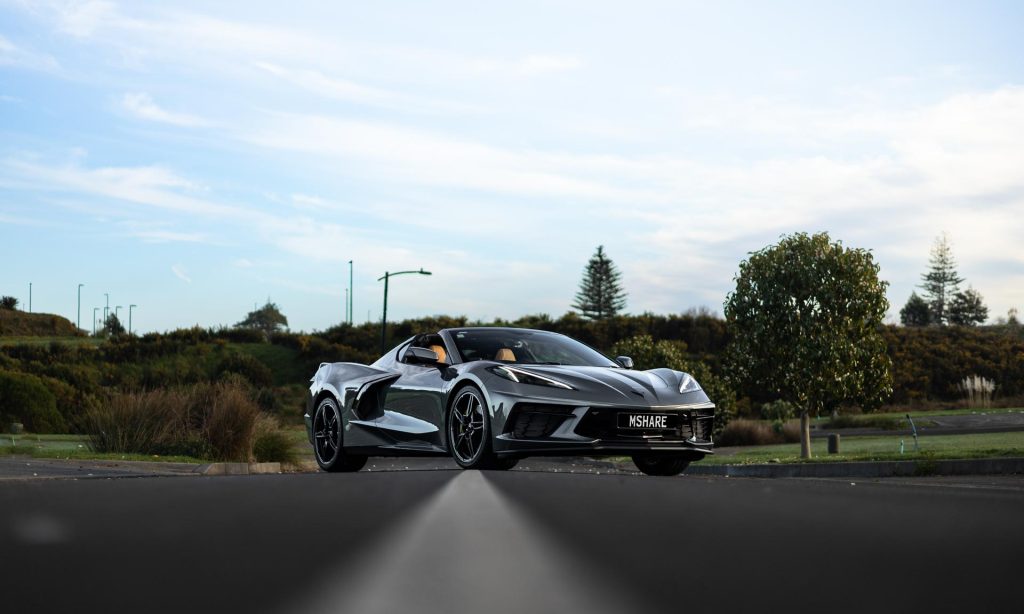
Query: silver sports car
x=491 y=396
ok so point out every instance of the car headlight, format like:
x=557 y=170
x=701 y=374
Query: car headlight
x=525 y=377
x=688 y=384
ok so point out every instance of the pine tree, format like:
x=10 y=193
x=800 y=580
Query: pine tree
x=915 y=312
x=941 y=282
x=600 y=295
x=967 y=308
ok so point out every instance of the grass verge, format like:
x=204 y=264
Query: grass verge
x=933 y=447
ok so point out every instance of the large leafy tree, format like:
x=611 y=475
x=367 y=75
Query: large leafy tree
x=267 y=318
x=941 y=282
x=916 y=312
x=967 y=308
x=806 y=316
x=601 y=295
x=8 y=302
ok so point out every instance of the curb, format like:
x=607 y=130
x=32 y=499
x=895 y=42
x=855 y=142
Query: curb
x=238 y=468
x=865 y=469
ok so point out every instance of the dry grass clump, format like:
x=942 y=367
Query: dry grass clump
x=978 y=391
x=742 y=432
x=213 y=421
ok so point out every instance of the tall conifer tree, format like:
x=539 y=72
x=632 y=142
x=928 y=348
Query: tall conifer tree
x=600 y=295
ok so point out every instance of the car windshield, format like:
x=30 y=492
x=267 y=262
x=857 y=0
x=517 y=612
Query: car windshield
x=528 y=347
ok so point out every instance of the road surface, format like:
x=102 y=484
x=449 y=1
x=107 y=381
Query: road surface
x=440 y=540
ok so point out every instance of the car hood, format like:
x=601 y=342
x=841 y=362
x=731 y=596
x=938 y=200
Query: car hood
x=610 y=385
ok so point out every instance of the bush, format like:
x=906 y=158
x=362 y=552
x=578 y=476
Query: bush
x=778 y=411
x=743 y=432
x=272 y=444
x=213 y=421
x=25 y=398
x=247 y=366
x=229 y=421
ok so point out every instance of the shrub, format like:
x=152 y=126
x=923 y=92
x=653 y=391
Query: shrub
x=214 y=421
x=25 y=398
x=249 y=367
x=749 y=433
x=229 y=423
x=778 y=411
x=154 y=422
x=272 y=444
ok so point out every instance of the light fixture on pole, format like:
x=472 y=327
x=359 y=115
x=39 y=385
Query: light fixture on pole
x=106 y=310
x=94 y=310
x=384 y=319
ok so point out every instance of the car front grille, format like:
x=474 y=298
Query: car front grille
x=533 y=420
x=602 y=424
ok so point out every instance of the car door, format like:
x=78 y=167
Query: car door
x=414 y=405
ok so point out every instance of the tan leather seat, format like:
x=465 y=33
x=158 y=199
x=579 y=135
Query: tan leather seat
x=441 y=355
x=505 y=354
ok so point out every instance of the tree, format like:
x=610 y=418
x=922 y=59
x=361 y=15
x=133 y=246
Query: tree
x=967 y=308
x=941 y=282
x=600 y=295
x=806 y=318
x=9 y=303
x=112 y=326
x=267 y=318
x=916 y=312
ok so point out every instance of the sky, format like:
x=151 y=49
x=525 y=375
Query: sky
x=197 y=159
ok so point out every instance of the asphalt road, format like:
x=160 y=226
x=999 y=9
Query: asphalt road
x=521 y=541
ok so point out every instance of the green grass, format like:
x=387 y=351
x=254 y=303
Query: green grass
x=73 y=447
x=933 y=447
x=46 y=341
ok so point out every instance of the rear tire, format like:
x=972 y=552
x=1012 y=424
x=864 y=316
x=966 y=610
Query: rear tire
x=469 y=432
x=328 y=440
x=660 y=465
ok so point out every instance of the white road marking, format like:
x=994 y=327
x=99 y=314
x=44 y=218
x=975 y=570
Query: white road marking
x=468 y=549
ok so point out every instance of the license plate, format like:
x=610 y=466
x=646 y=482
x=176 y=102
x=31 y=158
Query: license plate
x=648 y=421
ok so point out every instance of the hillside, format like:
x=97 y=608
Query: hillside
x=23 y=324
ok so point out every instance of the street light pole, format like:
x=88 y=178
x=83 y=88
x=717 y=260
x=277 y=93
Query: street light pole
x=384 y=319
x=130 y=307
x=94 y=310
x=115 y=314
x=351 y=291
x=106 y=310
x=346 y=305
x=78 y=318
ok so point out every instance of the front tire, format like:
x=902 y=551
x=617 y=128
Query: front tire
x=660 y=465
x=469 y=431
x=328 y=439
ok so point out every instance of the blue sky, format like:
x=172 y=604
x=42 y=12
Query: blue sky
x=195 y=159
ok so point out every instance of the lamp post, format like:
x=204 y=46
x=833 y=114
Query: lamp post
x=94 y=310
x=384 y=319
x=115 y=313
x=346 y=305
x=130 y=308
x=106 y=310
x=78 y=318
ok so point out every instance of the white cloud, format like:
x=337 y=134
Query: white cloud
x=141 y=105
x=180 y=272
x=13 y=55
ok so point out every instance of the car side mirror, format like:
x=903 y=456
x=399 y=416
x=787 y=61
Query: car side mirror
x=624 y=361
x=417 y=355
